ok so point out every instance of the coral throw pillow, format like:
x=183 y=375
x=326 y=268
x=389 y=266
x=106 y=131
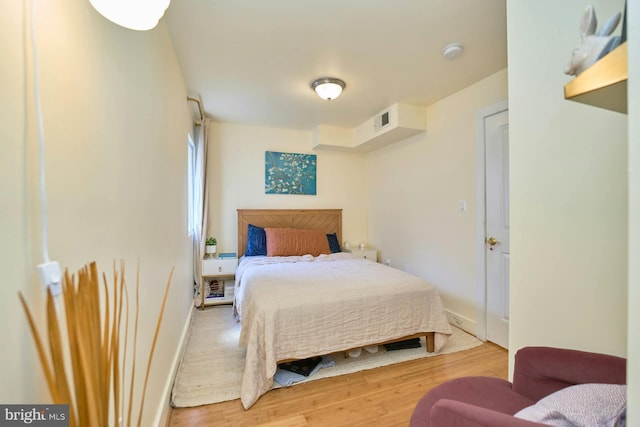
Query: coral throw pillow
x=291 y=242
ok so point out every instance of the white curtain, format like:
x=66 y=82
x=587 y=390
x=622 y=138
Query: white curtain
x=201 y=205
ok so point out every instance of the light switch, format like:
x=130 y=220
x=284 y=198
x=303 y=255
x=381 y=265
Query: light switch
x=462 y=206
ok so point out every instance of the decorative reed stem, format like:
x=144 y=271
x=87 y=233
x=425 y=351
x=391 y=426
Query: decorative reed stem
x=93 y=347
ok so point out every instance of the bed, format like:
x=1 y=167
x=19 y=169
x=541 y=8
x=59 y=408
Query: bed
x=295 y=306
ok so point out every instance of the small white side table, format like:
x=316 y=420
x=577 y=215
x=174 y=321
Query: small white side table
x=367 y=252
x=223 y=269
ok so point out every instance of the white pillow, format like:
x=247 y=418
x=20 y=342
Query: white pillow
x=580 y=405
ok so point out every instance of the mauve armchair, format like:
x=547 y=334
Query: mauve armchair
x=492 y=402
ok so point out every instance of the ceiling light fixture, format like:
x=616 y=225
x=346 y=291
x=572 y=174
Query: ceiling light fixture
x=452 y=50
x=140 y=15
x=328 y=87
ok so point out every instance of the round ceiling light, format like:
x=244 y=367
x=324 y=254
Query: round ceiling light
x=328 y=87
x=140 y=15
x=452 y=50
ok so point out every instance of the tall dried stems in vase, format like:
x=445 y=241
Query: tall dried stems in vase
x=95 y=345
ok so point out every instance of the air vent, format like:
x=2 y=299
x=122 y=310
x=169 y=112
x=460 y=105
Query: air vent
x=380 y=121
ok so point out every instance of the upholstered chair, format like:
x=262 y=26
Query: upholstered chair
x=539 y=374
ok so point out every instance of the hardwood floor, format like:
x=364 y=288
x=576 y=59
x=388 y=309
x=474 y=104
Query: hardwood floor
x=379 y=397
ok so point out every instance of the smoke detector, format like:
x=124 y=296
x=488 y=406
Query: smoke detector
x=452 y=50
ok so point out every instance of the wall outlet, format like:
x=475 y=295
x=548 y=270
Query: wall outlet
x=461 y=322
x=51 y=277
x=388 y=262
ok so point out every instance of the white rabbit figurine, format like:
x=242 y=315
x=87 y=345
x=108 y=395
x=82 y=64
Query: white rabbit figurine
x=593 y=45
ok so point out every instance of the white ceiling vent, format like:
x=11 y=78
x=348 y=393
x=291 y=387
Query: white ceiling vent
x=380 y=121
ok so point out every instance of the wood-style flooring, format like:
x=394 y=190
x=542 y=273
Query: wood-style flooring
x=378 y=397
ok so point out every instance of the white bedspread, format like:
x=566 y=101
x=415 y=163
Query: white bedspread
x=298 y=307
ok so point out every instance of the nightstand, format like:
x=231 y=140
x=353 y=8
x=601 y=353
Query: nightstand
x=367 y=252
x=222 y=270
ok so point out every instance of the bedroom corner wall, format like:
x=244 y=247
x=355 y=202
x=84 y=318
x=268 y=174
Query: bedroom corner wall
x=236 y=179
x=18 y=357
x=633 y=334
x=568 y=191
x=116 y=123
x=413 y=189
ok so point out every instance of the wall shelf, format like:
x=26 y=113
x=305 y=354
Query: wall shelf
x=604 y=84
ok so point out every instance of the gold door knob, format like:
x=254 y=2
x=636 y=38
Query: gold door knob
x=492 y=241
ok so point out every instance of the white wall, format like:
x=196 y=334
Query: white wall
x=413 y=193
x=633 y=335
x=236 y=179
x=18 y=355
x=568 y=191
x=116 y=123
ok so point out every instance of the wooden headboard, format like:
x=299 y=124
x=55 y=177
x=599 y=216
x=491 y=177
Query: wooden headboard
x=327 y=220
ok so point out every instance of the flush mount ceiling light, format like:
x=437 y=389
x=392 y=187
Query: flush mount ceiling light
x=138 y=15
x=452 y=50
x=328 y=87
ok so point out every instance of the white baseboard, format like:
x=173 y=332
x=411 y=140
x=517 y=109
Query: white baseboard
x=163 y=412
x=461 y=322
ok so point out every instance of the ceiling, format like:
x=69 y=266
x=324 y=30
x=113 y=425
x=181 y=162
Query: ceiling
x=252 y=61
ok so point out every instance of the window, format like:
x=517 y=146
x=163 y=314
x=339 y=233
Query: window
x=191 y=170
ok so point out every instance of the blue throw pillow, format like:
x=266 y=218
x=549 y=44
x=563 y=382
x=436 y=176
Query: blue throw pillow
x=256 y=241
x=334 y=245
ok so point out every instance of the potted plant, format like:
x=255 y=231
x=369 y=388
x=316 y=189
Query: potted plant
x=211 y=246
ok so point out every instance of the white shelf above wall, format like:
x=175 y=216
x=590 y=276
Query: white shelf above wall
x=391 y=125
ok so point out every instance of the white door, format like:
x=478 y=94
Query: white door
x=497 y=227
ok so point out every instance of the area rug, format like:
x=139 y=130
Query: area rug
x=212 y=364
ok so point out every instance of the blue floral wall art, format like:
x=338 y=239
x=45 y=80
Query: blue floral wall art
x=289 y=173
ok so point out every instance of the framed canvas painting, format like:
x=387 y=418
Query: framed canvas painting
x=289 y=173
